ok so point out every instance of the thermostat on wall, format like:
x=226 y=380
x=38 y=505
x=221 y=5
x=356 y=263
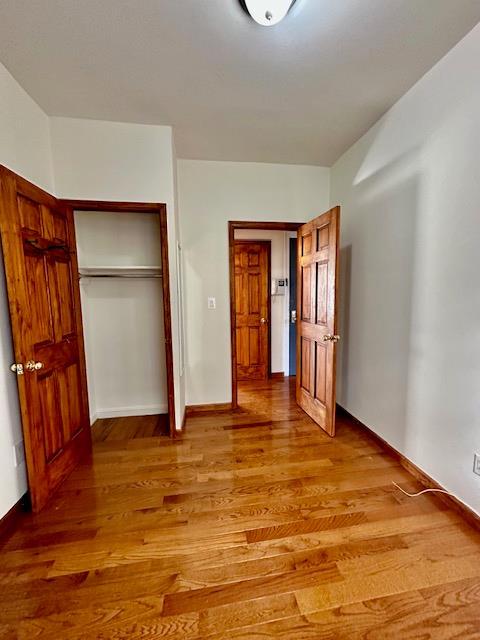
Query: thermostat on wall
x=279 y=286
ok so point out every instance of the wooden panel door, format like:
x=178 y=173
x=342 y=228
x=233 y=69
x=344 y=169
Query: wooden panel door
x=317 y=275
x=41 y=269
x=252 y=268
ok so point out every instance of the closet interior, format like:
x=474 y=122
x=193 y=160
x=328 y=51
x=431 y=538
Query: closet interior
x=121 y=289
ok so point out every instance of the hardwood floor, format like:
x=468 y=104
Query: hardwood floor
x=255 y=524
x=130 y=428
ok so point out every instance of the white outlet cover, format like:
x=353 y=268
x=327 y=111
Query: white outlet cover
x=211 y=303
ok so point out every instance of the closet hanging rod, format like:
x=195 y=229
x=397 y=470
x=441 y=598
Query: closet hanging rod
x=139 y=276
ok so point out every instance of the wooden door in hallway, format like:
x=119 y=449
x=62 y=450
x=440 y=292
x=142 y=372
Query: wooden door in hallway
x=38 y=241
x=317 y=275
x=252 y=268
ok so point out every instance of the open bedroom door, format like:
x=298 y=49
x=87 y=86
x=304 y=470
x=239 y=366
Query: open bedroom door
x=317 y=277
x=38 y=241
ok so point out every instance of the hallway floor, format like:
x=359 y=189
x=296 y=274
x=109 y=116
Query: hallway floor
x=252 y=525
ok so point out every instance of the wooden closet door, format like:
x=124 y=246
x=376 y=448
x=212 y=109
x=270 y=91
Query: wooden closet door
x=317 y=269
x=252 y=309
x=41 y=270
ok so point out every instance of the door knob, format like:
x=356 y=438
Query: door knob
x=263 y=320
x=17 y=368
x=33 y=366
x=293 y=316
x=331 y=338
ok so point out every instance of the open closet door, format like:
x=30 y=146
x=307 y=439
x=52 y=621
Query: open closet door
x=41 y=270
x=317 y=267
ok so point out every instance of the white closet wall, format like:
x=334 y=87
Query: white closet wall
x=123 y=318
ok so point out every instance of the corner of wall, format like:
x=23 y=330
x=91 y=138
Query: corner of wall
x=25 y=149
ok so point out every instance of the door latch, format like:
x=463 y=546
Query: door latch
x=17 y=368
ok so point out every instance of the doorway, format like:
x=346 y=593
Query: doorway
x=316 y=325
x=124 y=274
x=260 y=340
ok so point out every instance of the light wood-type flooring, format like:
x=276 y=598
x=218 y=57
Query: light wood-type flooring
x=108 y=429
x=252 y=525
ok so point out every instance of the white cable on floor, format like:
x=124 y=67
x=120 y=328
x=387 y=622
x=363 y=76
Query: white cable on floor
x=414 y=495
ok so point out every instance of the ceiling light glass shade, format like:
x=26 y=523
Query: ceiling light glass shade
x=268 y=12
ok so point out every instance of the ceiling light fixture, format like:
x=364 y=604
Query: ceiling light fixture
x=268 y=12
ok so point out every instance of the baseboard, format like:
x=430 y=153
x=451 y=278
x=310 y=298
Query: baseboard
x=10 y=521
x=455 y=503
x=123 y=412
x=184 y=420
x=192 y=409
x=277 y=374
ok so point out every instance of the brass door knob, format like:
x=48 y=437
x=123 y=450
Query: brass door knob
x=263 y=320
x=33 y=366
x=331 y=338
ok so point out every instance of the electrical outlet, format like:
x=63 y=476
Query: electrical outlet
x=18 y=453
x=476 y=464
x=211 y=303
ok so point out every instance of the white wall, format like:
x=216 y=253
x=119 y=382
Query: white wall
x=210 y=194
x=279 y=304
x=24 y=134
x=98 y=160
x=177 y=296
x=410 y=263
x=24 y=148
x=126 y=367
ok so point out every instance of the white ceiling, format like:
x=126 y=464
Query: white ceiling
x=300 y=92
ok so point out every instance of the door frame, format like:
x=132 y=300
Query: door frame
x=259 y=226
x=161 y=210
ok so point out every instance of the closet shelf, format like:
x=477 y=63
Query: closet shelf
x=120 y=272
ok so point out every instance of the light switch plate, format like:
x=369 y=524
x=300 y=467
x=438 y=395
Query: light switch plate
x=211 y=303
x=476 y=464
x=18 y=453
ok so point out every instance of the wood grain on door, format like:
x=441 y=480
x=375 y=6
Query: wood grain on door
x=38 y=241
x=317 y=267
x=252 y=309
